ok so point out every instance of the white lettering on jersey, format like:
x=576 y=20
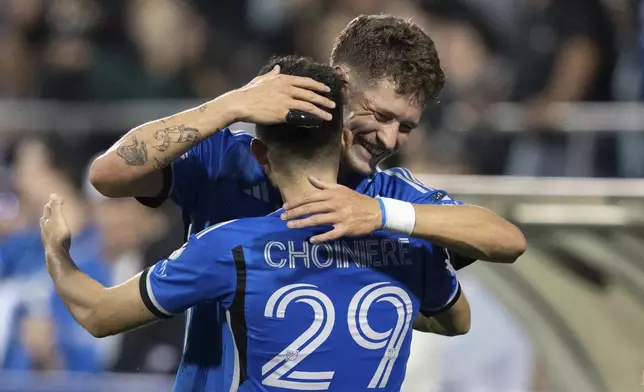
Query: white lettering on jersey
x=338 y=254
x=280 y=371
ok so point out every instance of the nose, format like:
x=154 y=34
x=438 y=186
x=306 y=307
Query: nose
x=388 y=136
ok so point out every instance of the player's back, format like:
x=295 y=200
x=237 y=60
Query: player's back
x=335 y=316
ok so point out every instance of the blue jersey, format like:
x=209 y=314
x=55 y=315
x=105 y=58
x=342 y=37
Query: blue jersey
x=220 y=180
x=335 y=316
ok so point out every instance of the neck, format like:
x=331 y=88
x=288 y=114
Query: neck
x=296 y=185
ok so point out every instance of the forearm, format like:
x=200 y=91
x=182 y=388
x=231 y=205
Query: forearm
x=453 y=321
x=130 y=164
x=100 y=310
x=431 y=325
x=80 y=293
x=471 y=231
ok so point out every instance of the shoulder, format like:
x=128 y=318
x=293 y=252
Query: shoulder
x=399 y=183
x=244 y=229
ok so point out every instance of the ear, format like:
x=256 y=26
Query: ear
x=260 y=151
x=343 y=71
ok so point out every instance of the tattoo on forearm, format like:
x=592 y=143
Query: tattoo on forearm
x=176 y=134
x=165 y=120
x=161 y=163
x=135 y=154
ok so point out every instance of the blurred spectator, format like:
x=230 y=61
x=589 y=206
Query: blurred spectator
x=43 y=334
x=566 y=52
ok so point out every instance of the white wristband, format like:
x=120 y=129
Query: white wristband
x=398 y=216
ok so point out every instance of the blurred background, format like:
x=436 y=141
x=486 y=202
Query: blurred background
x=541 y=121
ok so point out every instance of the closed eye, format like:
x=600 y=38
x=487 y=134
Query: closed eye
x=382 y=117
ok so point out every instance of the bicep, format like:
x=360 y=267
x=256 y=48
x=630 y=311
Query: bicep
x=122 y=308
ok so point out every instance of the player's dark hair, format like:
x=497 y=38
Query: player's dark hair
x=386 y=47
x=298 y=143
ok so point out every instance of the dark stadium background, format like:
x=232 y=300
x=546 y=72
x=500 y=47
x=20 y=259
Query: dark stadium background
x=516 y=130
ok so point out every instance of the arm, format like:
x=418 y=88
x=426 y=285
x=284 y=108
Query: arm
x=131 y=167
x=444 y=309
x=101 y=311
x=451 y=322
x=189 y=276
x=471 y=231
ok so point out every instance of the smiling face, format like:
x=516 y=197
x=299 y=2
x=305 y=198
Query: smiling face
x=377 y=123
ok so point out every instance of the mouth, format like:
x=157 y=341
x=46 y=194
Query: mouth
x=370 y=148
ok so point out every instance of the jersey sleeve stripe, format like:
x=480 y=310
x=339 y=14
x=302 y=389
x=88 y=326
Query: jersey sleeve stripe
x=240 y=132
x=211 y=228
x=428 y=312
x=238 y=312
x=148 y=296
x=418 y=187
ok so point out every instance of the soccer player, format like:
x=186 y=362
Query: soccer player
x=333 y=316
x=393 y=70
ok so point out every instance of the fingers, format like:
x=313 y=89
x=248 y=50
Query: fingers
x=328 y=236
x=310 y=108
x=307 y=209
x=306 y=198
x=56 y=205
x=322 y=185
x=311 y=97
x=276 y=70
x=316 y=220
x=307 y=83
x=46 y=211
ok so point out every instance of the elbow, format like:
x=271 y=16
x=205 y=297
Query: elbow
x=518 y=245
x=462 y=327
x=98 y=329
x=102 y=179
x=514 y=244
x=97 y=325
x=98 y=332
x=93 y=326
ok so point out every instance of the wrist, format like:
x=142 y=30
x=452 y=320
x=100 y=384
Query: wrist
x=57 y=250
x=230 y=107
x=397 y=216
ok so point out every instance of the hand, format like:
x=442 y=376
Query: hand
x=267 y=99
x=54 y=230
x=350 y=213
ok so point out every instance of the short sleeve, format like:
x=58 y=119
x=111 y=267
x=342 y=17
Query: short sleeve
x=202 y=270
x=398 y=183
x=183 y=179
x=442 y=288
